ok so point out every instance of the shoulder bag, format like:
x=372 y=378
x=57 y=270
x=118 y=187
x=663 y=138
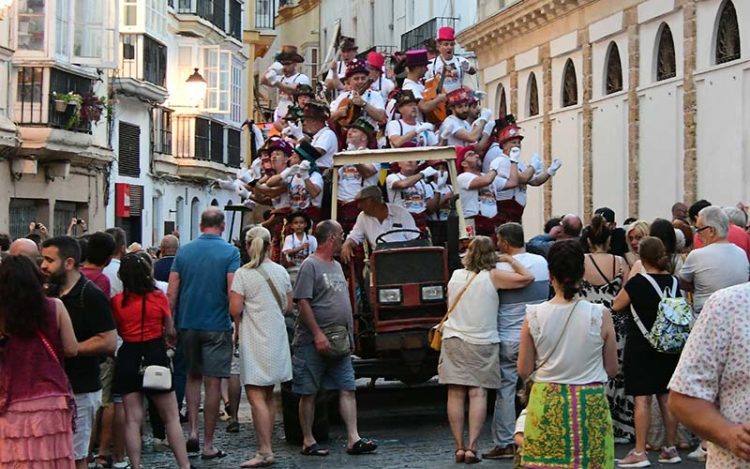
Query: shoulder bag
x=435 y=335
x=155 y=377
x=262 y=271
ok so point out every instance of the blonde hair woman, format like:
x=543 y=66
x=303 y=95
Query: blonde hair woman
x=635 y=232
x=470 y=356
x=261 y=295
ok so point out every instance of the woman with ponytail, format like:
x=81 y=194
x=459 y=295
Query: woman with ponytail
x=261 y=295
x=568 y=347
x=648 y=371
x=603 y=278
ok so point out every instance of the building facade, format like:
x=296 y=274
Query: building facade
x=644 y=100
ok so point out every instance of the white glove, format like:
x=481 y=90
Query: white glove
x=485 y=114
x=495 y=164
x=293 y=130
x=428 y=172
x=274 y=79
x=351 y=147
x=446 y=133
x=245 y=176
x=425 y=126
x=441 y=183
x=465 y=66
x=277 y=67
x=304 y=166
x=480 y=94
x=290 y=171
x=489 y=127
x=552 y=170
x=536 y=163
x=228 y=184
x=243 y=193
x=515 y=153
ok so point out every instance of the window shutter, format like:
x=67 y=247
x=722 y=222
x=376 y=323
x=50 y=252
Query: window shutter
x=136 y=200
x=129 y=154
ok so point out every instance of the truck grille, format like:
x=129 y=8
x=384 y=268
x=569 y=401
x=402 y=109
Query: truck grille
x=407 y=266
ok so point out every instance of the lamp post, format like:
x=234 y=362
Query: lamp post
x=196 y=86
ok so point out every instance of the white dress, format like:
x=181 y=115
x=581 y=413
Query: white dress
x=265 y=359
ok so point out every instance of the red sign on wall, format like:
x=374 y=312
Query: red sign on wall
x=122 y=200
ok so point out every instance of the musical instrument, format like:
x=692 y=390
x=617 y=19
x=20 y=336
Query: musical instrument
x=432 y=88
x=353 y=112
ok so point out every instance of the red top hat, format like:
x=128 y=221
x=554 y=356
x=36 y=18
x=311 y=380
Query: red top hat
x=356 y=66
x=509 y=132
x=458 y=96
x=375 y=60
x=446 y=33
x=416 y=57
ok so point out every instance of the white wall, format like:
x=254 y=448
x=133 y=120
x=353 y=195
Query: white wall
x=533 y=215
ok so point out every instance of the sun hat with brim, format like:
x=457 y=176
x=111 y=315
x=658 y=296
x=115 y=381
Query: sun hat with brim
x=405 y=97
x=308 y=153
x=303 y=90
x=289 y=54
x=347 y=44
x=375 y=60
x=364 y=125
x=368 y=193
x=457 y=97
x=316 y=110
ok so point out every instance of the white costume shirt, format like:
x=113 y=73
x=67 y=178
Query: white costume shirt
x=384 y=86
x=371 y=97
x=329 y=142
x=400 y=128
x=299 y=197
x=418 y=90
x=476 y=201
x=436 y=66
x=285 y=100
x=414 y=198
x=451 y=125
x=368 y=227
x=351 y=182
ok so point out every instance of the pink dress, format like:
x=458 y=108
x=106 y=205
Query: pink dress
x=36 y=403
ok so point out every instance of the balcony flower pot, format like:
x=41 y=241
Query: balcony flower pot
x=60 y=105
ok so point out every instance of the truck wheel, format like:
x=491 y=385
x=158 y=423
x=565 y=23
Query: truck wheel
x=290 y=414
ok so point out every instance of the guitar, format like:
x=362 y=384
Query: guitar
x=432 y=88
x=353 y=112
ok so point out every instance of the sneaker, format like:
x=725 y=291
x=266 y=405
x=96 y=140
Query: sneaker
x=160 y=445
x=634 y=459
x=125 y=463
x=699 y=454
x=669 y=456
x=499 y=452
x=621 y=440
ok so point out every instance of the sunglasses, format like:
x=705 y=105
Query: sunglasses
x=698 y=230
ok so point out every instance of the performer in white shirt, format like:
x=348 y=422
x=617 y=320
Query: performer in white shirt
x=314 y=118
x=407 y=131
x=455 y=130
x=375 y=62
x=284 y=76
x=416 y=66
x=370 y=102
x=459 y=66
x=355 y=177
x=335 y=77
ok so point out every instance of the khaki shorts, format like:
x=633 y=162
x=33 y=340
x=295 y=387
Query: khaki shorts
x=107 y=376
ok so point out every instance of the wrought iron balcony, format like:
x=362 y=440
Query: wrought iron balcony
x=415 y=38
x=265 y=13
x=143 y=59
x=205 y=140
x=34 y=109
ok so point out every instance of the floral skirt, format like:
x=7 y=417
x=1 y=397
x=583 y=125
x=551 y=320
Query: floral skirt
x=568 y=426
x=37 y=433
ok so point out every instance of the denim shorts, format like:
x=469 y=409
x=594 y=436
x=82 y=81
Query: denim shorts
x=207 y=353
x=313 y=372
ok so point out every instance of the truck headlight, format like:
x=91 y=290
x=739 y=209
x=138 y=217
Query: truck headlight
x=432 y=293
x=389 y=296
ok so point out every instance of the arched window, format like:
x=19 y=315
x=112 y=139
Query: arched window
x=179 y=210
x=533 y=97
x=195 y=218
x=665 y=57
x=727 y=35
x=614 y=70
x=214 y=203
x=502 y=105
x=570 y=85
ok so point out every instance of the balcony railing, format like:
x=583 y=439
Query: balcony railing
x=213 y=11
x=150 y=66
x=415 y=38
x=30 y=106
x=204 y=139
x=265 y=12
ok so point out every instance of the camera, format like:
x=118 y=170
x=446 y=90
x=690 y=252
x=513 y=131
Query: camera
x=79 y=221
x=38 y=226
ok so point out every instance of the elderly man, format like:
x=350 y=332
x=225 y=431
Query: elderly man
x=719 y=264
x=167 y=250
x=24 y=246
x=376 y=217
x=710 y=389
x=571 y=229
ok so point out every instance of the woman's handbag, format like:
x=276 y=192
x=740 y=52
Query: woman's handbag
x=435 y=335
x=155 y=377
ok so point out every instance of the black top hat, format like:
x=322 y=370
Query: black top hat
x=289 y=53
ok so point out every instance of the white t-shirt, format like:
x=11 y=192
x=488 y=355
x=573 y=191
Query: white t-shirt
x=351 y=182
x=368 y=227
x=713 y=267
x=444 y=211
x=476 y=201
x=371 y=97
x=414 y=198
x=292 y=242
x=451 y=125
x=436 y=66
x=282 y=200
x=326 y=140
x=285 y=100
x=384 y=86
x=400 y=128
x=299 y=198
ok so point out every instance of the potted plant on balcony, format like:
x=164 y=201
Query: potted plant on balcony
x=89 y=110
x=63 y=100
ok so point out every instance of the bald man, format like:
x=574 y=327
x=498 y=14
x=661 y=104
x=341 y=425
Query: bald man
x=24 y=246
x=167 y=250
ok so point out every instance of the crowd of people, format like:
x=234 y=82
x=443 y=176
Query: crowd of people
x=588 y=319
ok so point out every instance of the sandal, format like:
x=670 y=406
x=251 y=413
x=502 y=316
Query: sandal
x=259 y=460
x=314 y=450
x=362 y=446
x=460 y=455
x=471 y=457
x=217 y=455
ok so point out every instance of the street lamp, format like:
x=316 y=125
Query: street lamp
x=196 y=85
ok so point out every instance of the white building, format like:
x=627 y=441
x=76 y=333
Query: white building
x=644 y=100
x=171 y=144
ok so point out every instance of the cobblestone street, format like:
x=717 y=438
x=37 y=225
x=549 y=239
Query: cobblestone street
x=409 y=425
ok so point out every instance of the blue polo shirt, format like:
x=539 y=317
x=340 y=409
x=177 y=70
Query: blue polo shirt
x=203 y=265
